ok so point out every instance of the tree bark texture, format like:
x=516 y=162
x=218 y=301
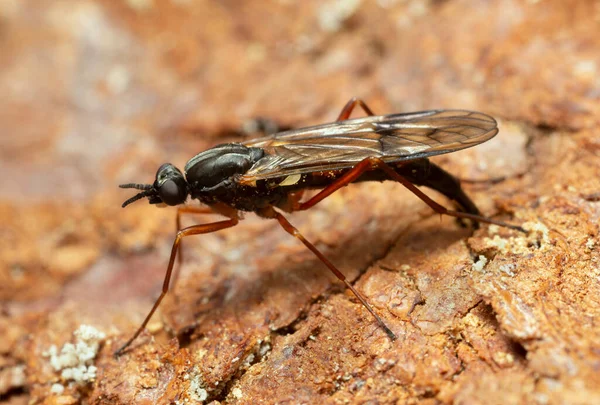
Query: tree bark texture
x=101 y=92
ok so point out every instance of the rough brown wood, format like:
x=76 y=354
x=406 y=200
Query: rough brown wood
x=101 y=92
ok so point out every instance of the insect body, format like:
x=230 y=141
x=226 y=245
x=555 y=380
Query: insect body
x=268 y=175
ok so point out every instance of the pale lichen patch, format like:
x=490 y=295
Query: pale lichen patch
x=75 y=360
x=538 y=236
x=590 y=243
x=57 y=388
x=503 y=359
x=493 y=229
x=332 y=14
x=480 y=263
x=237 y=393
x=196 y=389
x=537 y=228
x=498 y=242
x=508 y=269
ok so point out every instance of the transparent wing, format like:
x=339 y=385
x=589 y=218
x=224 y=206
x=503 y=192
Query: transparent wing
x=393 y=138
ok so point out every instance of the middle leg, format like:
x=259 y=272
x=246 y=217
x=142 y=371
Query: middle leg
x=289 y=228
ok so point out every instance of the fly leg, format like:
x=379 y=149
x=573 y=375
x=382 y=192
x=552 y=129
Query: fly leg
x=423 y=172
x=185 y=209
x=192 y=230
x=373 y=163
x=437 y=207
x=491 y=180
x=289 y=228
x=347 y=110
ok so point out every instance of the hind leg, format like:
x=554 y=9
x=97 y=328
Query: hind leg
x=373 y=163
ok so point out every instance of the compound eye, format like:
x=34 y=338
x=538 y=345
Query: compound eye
x=170 y=185
x=171 y=192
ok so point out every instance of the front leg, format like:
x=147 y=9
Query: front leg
x=192 y=230
x=181 y=210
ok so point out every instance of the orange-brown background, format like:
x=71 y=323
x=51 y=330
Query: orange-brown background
x=101 y=92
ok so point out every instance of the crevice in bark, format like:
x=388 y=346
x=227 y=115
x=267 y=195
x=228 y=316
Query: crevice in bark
x=256 y=355
x=12 y=393
x=293 y=326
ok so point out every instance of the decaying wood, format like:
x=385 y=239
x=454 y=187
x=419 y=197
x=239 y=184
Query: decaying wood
x=99 y=92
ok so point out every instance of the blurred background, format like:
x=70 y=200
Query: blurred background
x=95 y=93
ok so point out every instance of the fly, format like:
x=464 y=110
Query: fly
x=268 y=175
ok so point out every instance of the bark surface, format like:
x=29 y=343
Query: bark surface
x=101 y=92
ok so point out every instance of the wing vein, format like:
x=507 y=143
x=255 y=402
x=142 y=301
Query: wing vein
x=395 y=137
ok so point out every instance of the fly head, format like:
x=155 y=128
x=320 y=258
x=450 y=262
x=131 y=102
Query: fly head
x=169 y=187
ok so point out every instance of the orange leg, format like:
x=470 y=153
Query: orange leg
x=289 y=228
x=347 y=110
x=373 y=163
x=190 y=209
x=185 y=209
x=192 y=230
